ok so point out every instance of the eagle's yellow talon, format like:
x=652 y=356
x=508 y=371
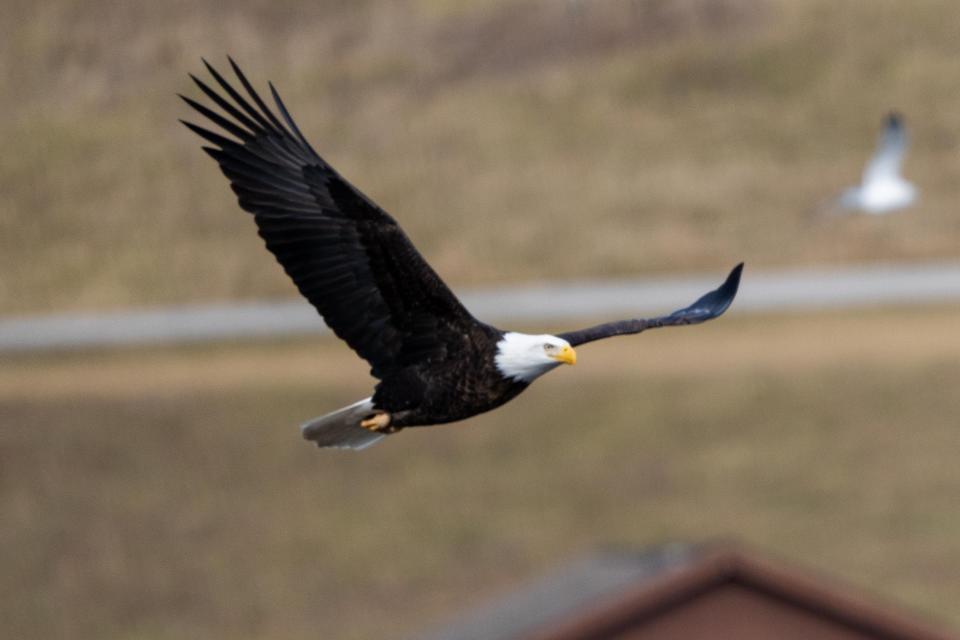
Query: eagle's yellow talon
x=376 y=422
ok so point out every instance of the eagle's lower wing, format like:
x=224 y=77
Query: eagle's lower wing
x=346 y=255
x=707 y=307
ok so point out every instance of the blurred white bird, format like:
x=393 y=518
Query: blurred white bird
x=883 y=189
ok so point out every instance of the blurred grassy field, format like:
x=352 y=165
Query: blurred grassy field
x=154 y=495
x=514 y=139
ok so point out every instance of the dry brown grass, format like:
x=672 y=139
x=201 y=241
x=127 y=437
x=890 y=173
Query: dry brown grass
x=166 y=494
x=514 y=140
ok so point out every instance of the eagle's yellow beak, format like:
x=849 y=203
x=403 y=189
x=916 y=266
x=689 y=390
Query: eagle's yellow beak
x=567 y=356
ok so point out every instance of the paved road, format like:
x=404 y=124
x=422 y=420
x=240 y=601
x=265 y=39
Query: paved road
x=559 y=305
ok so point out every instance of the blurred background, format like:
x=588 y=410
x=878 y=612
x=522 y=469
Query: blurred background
x=158 y=493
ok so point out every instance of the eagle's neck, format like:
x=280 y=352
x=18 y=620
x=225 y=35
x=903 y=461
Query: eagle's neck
x=520 y=357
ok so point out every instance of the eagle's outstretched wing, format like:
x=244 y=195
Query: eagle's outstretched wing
x=346 y=255
x=707 y=307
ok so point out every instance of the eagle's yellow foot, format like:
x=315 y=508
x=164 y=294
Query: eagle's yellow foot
x=379 y=422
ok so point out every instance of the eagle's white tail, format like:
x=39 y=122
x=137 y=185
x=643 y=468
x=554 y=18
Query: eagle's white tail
x=342 y=428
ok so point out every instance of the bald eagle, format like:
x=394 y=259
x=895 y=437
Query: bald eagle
x=350 y=259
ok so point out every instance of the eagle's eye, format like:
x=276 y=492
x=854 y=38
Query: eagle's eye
x=549 y=348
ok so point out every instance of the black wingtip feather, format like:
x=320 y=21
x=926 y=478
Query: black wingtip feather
x=286 y=116
x=210 y=136
x=255 y=96
x=715 y=303
x=221 y=121
x=263 y=123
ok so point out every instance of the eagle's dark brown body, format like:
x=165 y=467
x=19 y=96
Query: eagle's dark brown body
x=458 y=387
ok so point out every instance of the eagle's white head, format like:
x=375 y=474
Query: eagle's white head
x=525 y=358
